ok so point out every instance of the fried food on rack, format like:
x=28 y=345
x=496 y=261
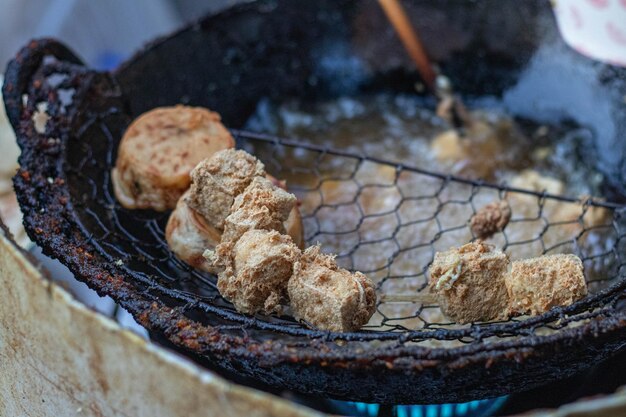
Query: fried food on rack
x=159 y=150
x=468 y=282
x=216 y=181
x=256 y=270
x=188 y=235
x=293 y=224
x=538 y=284
x=256 y=261
x=490 y=219
x=329 y=297
x=262 y=205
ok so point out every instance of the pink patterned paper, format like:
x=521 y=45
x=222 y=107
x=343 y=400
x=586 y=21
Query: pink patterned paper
x=595 y=28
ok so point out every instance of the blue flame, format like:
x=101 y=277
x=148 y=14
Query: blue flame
x=479 y=408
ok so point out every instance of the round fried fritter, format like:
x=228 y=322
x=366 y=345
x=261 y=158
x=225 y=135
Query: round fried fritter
x=159 y=150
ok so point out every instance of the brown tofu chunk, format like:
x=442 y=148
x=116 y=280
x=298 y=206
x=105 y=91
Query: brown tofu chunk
x=329 y=297
x=538 y=284
x=490 y=219
x=159 y=150
x=261 y=206
x=256 y=270
x=216 y=181
x=188 y=235
x=468 y=283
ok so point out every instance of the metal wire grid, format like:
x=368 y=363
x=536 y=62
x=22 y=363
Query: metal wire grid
x=384 y=219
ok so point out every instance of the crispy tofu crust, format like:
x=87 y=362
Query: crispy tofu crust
x=256 y=270
x=159 y=150
x=490 y=219
x=216 y=181
x=468 y=283
x=188 y=235
x=328 y=297
x=538 y=284
x=294 y=228
x=262 y=205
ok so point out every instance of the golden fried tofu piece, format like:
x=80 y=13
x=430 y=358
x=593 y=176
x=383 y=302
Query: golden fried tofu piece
x=294 y=228
x=293 y=224
x=490 y=219
x=159 y=150
x=468 y=283
x=256 y=270
x=538 y=284
x=216 y=181
x=188 y=235
x=329 y=297
x=261 y=206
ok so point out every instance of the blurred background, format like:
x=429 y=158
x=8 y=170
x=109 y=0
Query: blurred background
x=101 y=32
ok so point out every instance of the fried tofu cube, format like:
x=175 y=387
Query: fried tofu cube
x=468 y=283
x=329 y=297
x=256 y=270
x=188 y=235
x=216 y=181
x=490 y=219
x=261 y=206
x=158 y=151
x=538 y=284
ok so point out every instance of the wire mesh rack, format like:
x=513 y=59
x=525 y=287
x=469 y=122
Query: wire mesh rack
x=382 y=218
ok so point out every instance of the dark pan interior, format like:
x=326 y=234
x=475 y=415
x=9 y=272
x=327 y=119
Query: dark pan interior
x=311 y=50
x=329 y=48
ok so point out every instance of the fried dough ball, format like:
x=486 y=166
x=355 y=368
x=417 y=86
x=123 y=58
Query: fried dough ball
x=468 y=283
x=256 y=270
x=538 y=284
x=261 y=206
x=216 y=181
x=329 y=297
x=188 y=235
x=490 y=219
x=159 y=150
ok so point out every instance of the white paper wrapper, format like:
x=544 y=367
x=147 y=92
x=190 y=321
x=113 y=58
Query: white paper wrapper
x=595 y=28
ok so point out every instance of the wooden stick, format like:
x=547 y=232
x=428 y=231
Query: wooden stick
x=399 y=20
